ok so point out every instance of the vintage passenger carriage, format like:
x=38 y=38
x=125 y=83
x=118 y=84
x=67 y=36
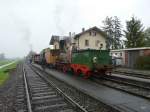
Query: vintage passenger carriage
x=51 y=57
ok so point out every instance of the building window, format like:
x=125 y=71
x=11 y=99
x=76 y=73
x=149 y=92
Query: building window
x=86 y=42
x=120 y=54
x=90 y=33
x=97 y=43
x=94 y=33
x=55 y=47
x=101 y=46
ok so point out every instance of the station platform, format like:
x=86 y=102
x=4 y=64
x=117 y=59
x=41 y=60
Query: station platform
x=132 y=78
x=121 y=100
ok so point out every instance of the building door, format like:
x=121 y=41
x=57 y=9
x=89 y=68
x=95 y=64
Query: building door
x=132 y=57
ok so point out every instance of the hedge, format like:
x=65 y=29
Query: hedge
x=143 y=62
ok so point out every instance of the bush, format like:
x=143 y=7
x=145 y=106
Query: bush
x=143 y=62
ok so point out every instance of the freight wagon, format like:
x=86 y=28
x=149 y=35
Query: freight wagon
x=36 y=58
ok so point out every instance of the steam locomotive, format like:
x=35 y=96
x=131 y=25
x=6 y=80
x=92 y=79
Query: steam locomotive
x=85 y=62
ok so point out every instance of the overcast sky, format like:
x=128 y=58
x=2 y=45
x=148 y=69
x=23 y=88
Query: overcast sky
x=26 y=24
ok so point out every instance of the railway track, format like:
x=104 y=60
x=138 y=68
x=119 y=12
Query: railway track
x=128 y=73
x=44 y=96
x=84 y=100
x=140 y=89
x=20 y=100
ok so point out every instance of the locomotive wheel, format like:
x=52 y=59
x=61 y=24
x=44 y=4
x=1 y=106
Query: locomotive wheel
x=78 y=72
x=87 y=75
x=64 y=69
x=72 y=71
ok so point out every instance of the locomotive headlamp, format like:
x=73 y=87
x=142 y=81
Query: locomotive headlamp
x=101 y=46
x=95 y=59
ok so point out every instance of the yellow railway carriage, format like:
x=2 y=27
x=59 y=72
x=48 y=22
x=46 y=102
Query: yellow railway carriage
x=51 y=56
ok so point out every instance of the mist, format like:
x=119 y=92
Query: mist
x=29 y=24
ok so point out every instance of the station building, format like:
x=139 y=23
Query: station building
x=92 y=38
x=128 y=57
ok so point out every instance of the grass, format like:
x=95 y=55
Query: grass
x=4 y=72
x=3 y=62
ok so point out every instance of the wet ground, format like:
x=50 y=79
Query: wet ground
x=116 y=98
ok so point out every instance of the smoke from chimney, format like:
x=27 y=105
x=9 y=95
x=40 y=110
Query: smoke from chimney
x=23 y=29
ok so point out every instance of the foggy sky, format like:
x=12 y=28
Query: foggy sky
x=26 y=24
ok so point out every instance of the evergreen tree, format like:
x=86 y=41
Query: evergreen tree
x=147 y=37
x=112 y=27
x=134 y=33
x=117 y=33
x=108 y=28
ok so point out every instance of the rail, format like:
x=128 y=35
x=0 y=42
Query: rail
x=133 y=74
x=27 y=92
x=123 y=85
x=59 y=91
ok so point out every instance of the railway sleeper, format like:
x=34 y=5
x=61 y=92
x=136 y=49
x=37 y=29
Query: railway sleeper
x=44 y=97
x=43 y=94
x=54 y=108
x=47 y=101
x=40 y=88
x=40 y=91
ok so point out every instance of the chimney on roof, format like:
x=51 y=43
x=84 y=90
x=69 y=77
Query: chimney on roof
x=69 y=34
x=83 y=29
x=73 y=34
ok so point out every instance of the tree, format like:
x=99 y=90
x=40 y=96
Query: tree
x=117 y=33
x=147 y=37
x=2 y=56
x=108 y=28
x=112 y=27
x=134 y=33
